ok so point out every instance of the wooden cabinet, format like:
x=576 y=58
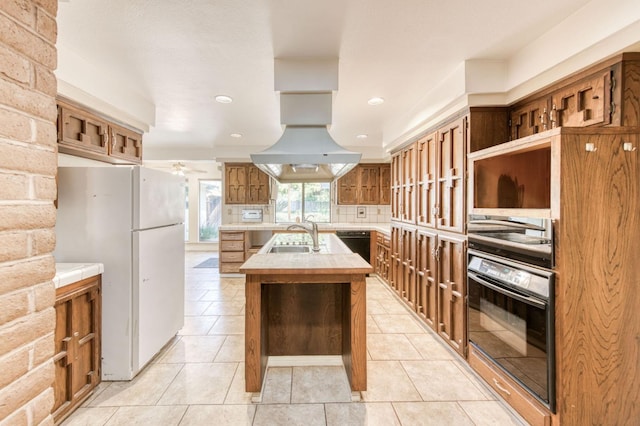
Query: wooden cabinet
x=451 y=176
x=125 y=144
x=258 y=186
x=440 y=286
x=396 y=258
x=427 y=169
x=408 y=183
x=426 y=277
x=451 y=278
x=433 y=178
x=407 y=285
x=348 y=187
x=244 y=183
x=367 y=184
x=234 y=247
x=605 y=94
x=383 y=256
x=396 y=187
x=585 y=103
x=385 y=184
x=596 y=299
x=529 y=118
x=429 y=194
x=84 y=133
x=77 y=344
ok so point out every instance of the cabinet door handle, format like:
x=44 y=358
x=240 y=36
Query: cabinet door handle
x=113 y=139
x=503 y=389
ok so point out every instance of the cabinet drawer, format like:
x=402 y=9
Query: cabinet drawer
x=230 y=267
x=232 y=236
x=232 y=256
x=231 y=246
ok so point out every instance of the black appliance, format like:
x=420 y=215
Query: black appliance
x=510 y=288
x=358 y=242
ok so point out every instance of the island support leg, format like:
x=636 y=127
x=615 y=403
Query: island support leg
x=355 y=334
x=254 y=345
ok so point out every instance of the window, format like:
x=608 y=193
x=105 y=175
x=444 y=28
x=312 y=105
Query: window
x=210 y=210
x=296 y=201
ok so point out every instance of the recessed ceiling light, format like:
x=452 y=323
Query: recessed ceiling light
x=362 y=136
x=375 y=101
x=236 y=135
x=223 y=99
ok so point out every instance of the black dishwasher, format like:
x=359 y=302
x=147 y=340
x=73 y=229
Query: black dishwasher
x=358 y=241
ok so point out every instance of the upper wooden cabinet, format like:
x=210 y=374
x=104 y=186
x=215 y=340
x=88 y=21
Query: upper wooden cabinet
x=451 y=176
x=125 y=144
x=427 y=171
x=606 y=94
x=84 y=133
x=80 y=130
x=396 y=188
x=348 y=187
x=244 y=183
x=365 y=184
x=385 y=184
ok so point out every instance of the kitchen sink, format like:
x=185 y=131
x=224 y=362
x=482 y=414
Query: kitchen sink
x=290 y=249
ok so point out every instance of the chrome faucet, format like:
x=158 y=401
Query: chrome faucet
x=312 y=229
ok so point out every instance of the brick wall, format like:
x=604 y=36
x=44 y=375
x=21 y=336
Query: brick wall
x=28 y=160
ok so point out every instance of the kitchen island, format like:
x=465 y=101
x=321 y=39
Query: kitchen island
x=305 y=304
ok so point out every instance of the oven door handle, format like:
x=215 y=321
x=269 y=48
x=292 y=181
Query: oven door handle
x=525 y=299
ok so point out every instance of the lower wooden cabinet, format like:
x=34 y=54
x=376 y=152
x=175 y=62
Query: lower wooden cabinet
x=77 y=344
x=233 y=250
x=428 y=271
x=383 y=257
x=408 y=282
x=451 y=310
x=395 y=259
x=426 y=277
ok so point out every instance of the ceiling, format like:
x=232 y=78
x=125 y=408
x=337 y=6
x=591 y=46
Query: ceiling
x=162 y=62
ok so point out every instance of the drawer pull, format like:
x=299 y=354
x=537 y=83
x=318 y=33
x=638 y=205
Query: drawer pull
x=504 y=390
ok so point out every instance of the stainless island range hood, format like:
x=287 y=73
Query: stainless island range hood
x=306 y=152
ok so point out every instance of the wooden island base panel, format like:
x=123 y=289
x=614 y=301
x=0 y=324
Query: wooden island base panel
x=304 y=304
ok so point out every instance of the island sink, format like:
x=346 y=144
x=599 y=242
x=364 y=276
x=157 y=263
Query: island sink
x=290 y=249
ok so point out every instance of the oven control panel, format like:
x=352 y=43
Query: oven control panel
x=504 y=273
x=510 y=275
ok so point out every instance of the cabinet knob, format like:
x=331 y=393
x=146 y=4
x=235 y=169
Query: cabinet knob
x=628 y=146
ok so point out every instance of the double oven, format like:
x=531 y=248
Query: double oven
x=510 y=288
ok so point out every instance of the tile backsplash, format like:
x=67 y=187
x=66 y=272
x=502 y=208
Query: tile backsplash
x=339 y=213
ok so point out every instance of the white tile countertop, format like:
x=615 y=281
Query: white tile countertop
x=379 y=227
x=69 y=273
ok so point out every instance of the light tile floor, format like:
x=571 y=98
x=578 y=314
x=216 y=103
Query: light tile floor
x=198 y=378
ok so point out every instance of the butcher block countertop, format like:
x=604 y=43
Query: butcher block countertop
x=334 y=257
x=305 y=263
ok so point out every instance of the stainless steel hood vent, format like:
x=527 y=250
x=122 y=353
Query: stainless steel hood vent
x=306 y=152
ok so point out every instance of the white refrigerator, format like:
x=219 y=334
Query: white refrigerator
x=129 y=218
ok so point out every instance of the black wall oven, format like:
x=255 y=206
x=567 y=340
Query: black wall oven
x=510 y=299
